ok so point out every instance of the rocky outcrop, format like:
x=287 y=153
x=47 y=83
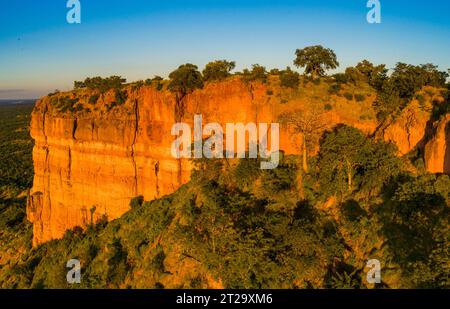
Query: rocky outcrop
x=408 y=130
x=90 y=163
x=437 y=149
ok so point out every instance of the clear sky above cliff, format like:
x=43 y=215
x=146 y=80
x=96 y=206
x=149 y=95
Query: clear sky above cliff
x=40 y=51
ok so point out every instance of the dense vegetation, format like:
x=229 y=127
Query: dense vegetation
x=101 y=84
x=16 y=176
x=16 y=166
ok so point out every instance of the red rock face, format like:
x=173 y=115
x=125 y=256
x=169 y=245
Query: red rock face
x=90 y=162
x=409 y=129
x=99 y=160
x=437 y=150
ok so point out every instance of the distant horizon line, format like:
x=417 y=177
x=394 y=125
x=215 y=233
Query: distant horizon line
x=16 y=101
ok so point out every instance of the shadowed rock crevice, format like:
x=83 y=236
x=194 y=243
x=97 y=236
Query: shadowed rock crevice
x=447 y=149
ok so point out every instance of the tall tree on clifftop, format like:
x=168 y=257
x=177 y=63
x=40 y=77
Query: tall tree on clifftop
x=316 y=60
x=184 y=81
x=218 y=70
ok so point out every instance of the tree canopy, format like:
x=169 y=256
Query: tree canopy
x=218 y=70
x=257 y=73
x=316 y=60
x=349 y=161
x=408 y=78
x=374 y=74
x=185 y=79
x=101 y=84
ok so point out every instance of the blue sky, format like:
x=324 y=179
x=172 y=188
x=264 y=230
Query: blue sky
x=40 y=51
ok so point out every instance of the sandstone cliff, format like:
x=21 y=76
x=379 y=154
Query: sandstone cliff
x=91 y=160
x=409 y=129
x=437 y=150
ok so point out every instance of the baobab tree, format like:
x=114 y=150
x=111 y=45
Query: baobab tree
x=307 y=122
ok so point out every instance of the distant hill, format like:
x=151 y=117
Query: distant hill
x=17 y=101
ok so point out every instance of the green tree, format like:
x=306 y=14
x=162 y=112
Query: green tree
x=101 y=84
x=408 y=78
x=258 y=73
x=354 y=76
x=374 y=75
x=274 y=72
x=184 y=81
x=316 y=60
x=349 y=161
x=416 y=220
x=117 y=262
x=156 y=81
x=218 y=70
x=388 y=101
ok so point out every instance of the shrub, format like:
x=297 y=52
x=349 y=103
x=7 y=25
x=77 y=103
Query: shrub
x=138 y=84
x=93 y=99
x=269 y=92
x=341 y=78
x=334 y=89
x=348 y=96
x=185 y=80
x=289 y=78
x=101 y=84
x=117 y=262
x=218 y=70
x=258 y=73
x=328 y=107
x=53 y=93
x=110 y=106
x=274 y=72
x=354 y=76
x=157 y=82
x=360 y=97
x=421 y=99
x=120 y=96
x=136 y=202
x=64 y=104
